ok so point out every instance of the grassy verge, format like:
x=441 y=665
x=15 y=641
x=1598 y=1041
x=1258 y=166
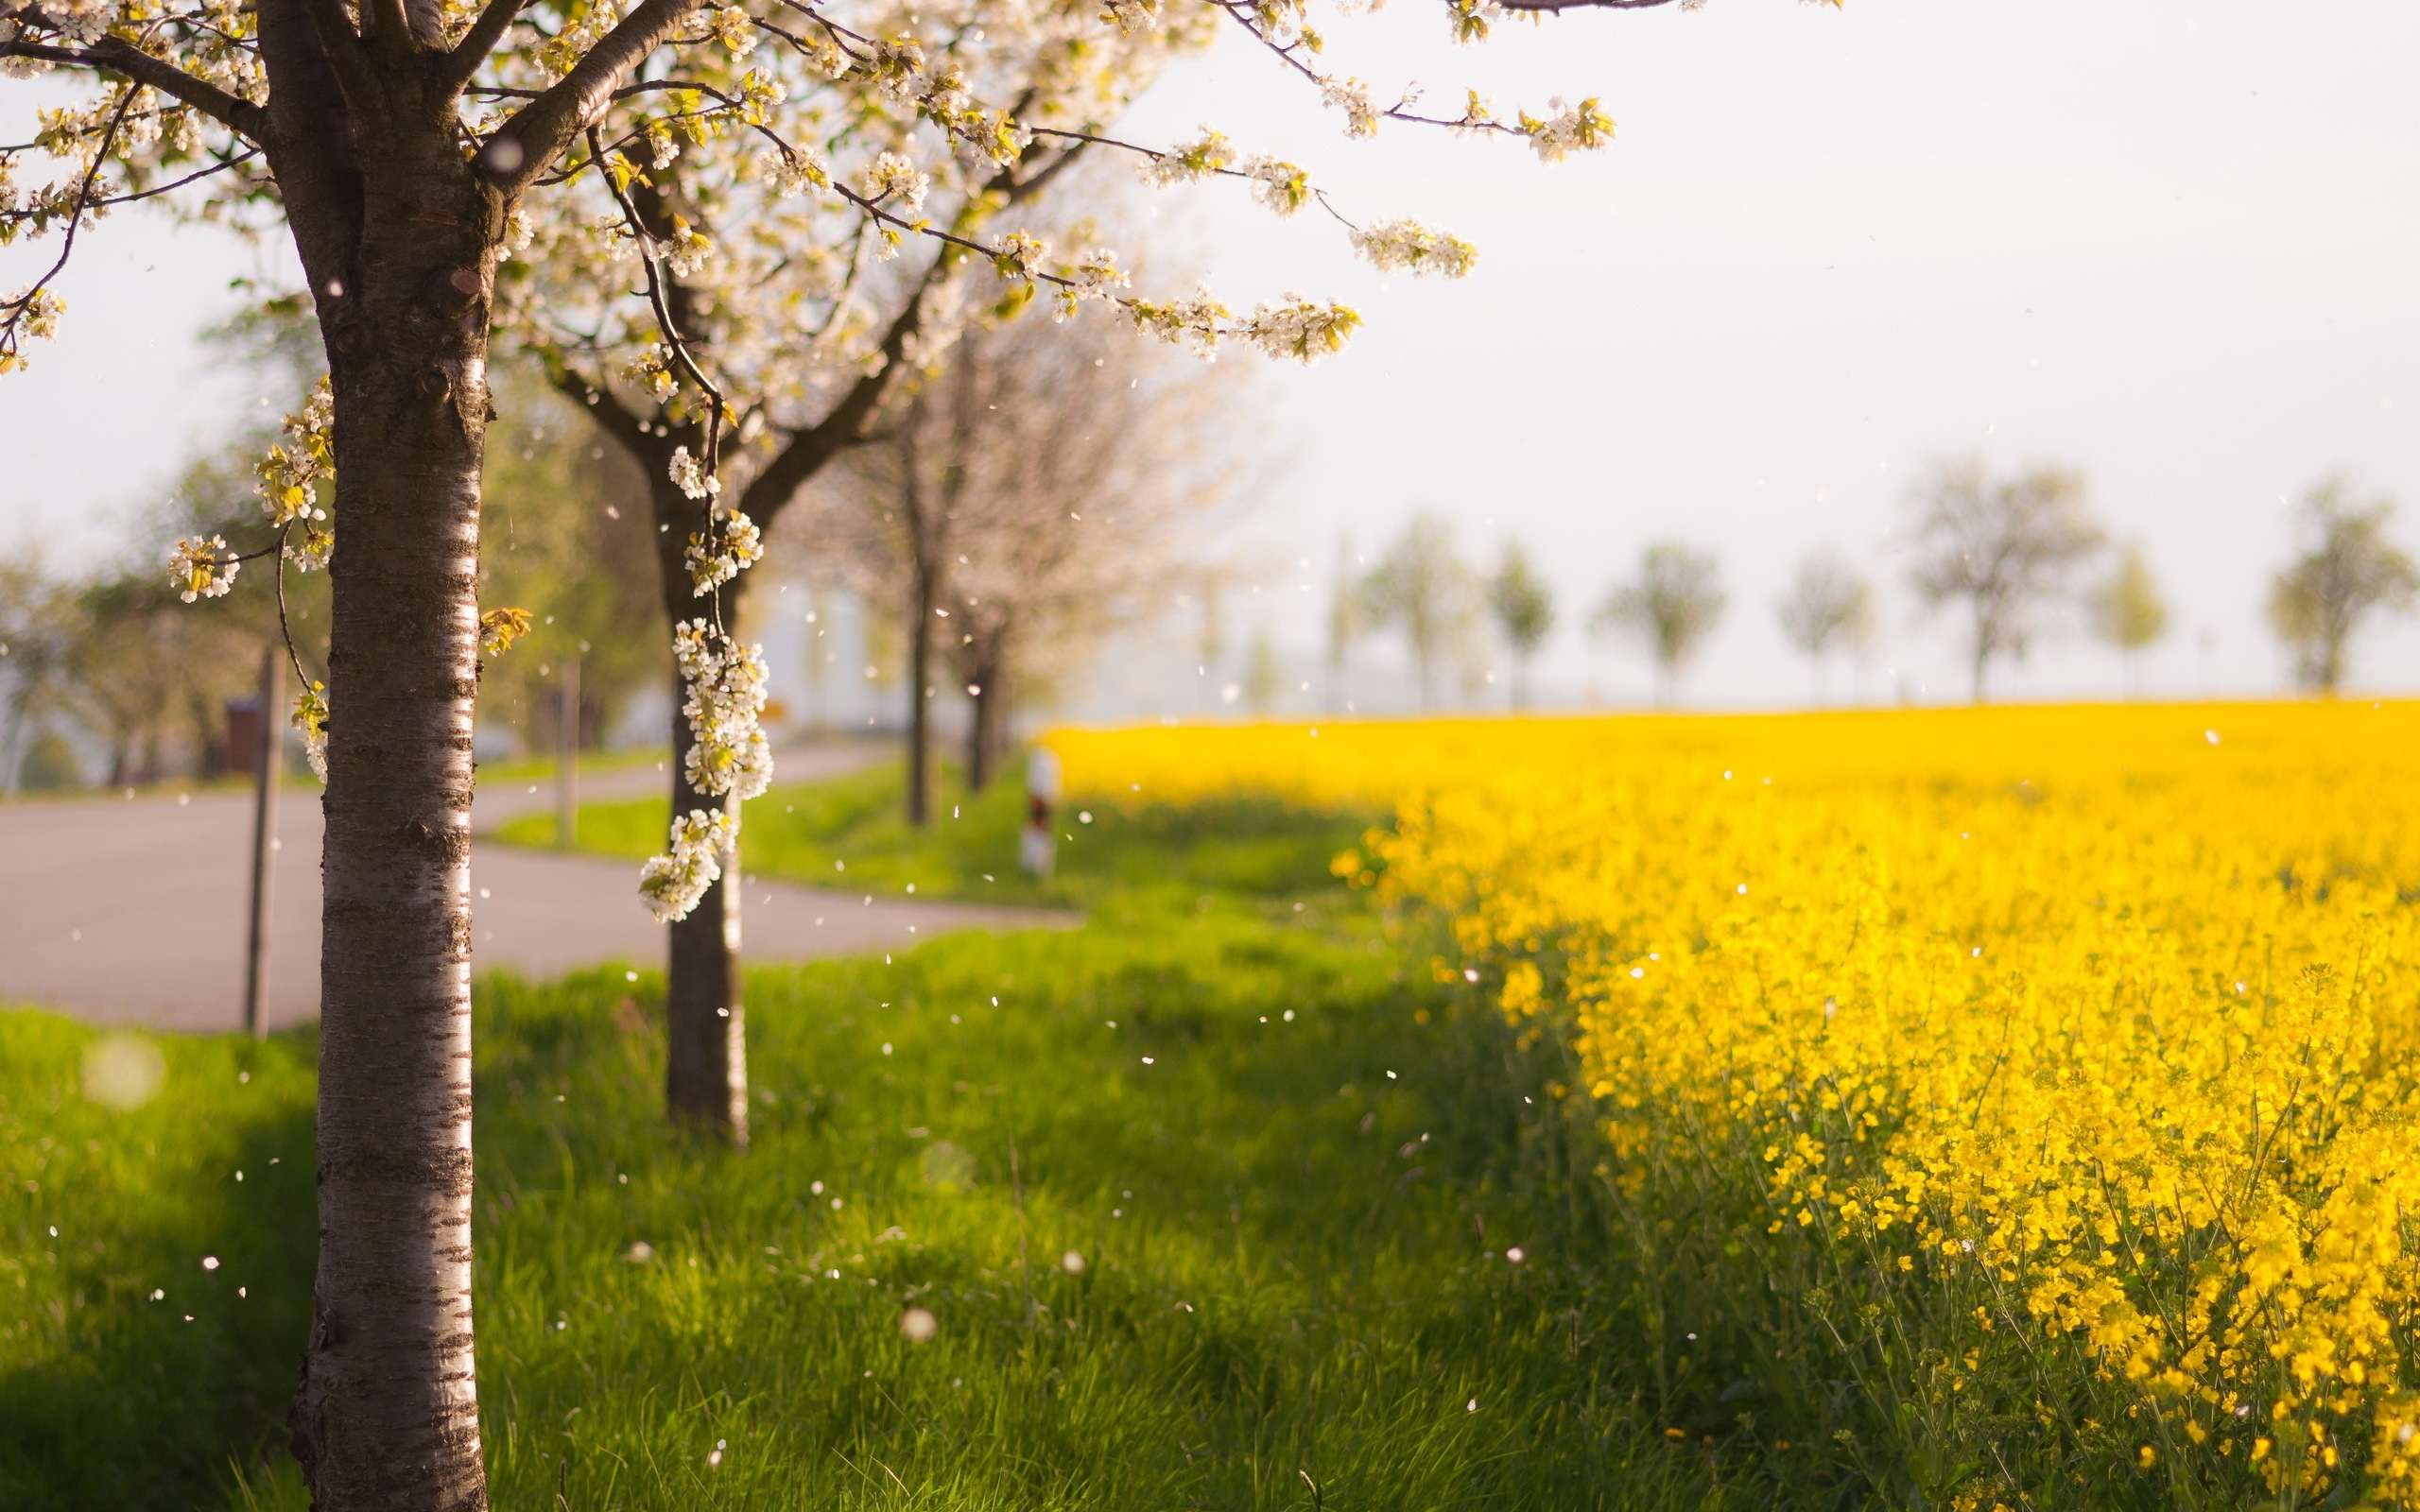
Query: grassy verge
x=541 y=768
x=1211 y=1208
x=155 y=1266
x=1181 y=1249
x=850 y=832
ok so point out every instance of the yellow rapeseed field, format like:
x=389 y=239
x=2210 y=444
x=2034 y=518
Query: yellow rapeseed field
x=2051 y=1076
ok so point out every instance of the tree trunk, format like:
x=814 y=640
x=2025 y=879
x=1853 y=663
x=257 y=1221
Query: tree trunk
x=705 y=1071
x=986 y=732
x=1983 y=637
x=920 y=707
x=403 y=266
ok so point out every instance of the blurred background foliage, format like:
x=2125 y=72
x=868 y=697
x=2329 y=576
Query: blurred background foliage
x=106 y=676
x=564 y=534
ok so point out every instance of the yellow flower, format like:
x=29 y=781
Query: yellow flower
x=2118 y=1028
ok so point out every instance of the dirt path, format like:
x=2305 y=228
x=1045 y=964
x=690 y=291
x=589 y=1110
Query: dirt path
x=131 y=910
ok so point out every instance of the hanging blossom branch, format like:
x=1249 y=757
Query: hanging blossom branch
x=33 y=39
x=1282 y=26
x=891 y=194
x=292 y=472
x=723 y=682
x=35 y=311
x=1293 y=326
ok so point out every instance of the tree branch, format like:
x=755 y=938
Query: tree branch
x=14 y=312
x=118 y=55
x=478 y=41
x=235 y=162
x=386 y=27
x=339 y=44
x=846 y=424
x=666 y=326
x=546 y=125
x=603 y=404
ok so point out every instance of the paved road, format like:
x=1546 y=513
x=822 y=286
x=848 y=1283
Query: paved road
x=131 y=910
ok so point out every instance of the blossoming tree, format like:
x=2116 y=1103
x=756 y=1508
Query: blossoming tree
x=412 y=150
x=815 y=217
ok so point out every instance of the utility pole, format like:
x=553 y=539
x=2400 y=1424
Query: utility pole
x=272 y=696
x=567 y=759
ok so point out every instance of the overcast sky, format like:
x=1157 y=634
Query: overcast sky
x=2174 y=244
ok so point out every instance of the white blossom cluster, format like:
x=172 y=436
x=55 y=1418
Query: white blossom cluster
x=1204 y=156
x=652 y=370
x=731 y=545
x=1405 y=245
x=797 y=171
x=1131 y=16
x=1471 y=20
x=676 y=881
x=893 y=175
x=201 y=569
x=1019 y=254
x=736 y=29
x=725 y=682
x=40 y=321
x=688 y=250
x=311 y=717
x=291 y=475
x=1351 y=97
x=1581 y=128
x=1300 y=327
x=1094 y=275
x=1277 y=184
x=82 y=22
x=688 y=473
x=1192 y=322
x=1293 y=325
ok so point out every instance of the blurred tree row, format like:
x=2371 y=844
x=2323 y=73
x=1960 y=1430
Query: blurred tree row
x=567 y=533
x=107 y=676
x=1046 y=487
x=2008 y=556
x=110 y=678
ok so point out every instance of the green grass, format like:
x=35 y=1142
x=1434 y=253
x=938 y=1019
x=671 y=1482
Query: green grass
x=852 y=833
x=541 y=768
x=1294 y=1263
x=110 y=1395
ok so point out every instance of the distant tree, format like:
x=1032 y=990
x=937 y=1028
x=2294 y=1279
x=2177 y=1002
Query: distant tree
x=1039 y=494
x=820 y=656
x=1670 y=608
x=124 y=662
x=1090 y=466
x=568 y=533
x=902 y=541
x=1524 y=610
x=36 y=616
x=2127 y=610
x=1828 y=608
x=1264 y=678
x=1423 y=588
x=1346 y=619
x=1210 y=637
x=2318 y=602
x=148 y=676
x=2006 y=550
